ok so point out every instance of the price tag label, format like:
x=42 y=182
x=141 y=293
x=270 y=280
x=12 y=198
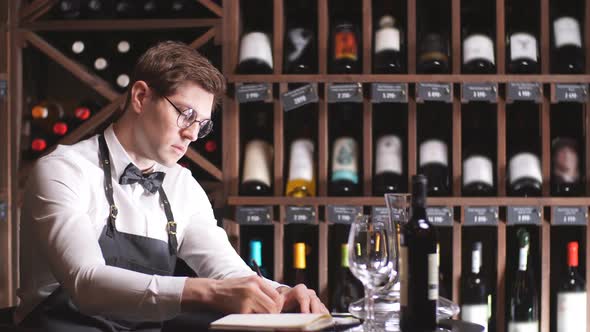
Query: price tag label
x=380 y=214
x=3 y=89
x=246 y=93
x=345 y=93
x=524 y=91
x=434 y=92
x=300 y=215
x=389 y=93
x=481 y=216
x=571 y=93
x=301 y=96
x=569 y=216
x=254 y=215
x=440 y=215
x=479 y=92
x=346 y=214
x=523 y=215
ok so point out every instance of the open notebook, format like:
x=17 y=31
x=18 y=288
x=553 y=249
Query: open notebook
x=273 y=322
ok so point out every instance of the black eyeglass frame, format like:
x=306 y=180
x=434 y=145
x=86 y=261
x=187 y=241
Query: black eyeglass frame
x=183 y=121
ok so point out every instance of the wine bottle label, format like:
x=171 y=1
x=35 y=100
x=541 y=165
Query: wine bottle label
x=476 y=313
x=475 y=261
x=433 y=152
x=389 y=155
x=403 y=274
x=478 y=47
x=523 y=326
x=565 y=161
x=478 y=169
x=523 y=258
x=566 y=31
x=571 y=311
x=256 y=45
x=523 y=46
x=78 y=47
x=301 y=162
x=345 y=44
x=433 y=277
x=299 y=39
x=387 y=39
x=257 y=162
x=525 y=165
x=345 y=160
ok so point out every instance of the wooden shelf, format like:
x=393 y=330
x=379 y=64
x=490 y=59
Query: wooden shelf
x=433 y=201
x=409 y=78
x=109 y=25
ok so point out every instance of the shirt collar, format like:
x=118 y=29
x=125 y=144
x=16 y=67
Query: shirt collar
x=119 y=157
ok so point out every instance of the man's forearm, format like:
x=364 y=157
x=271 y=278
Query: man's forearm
x=197 y=294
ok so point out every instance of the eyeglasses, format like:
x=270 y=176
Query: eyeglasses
x=187 y=117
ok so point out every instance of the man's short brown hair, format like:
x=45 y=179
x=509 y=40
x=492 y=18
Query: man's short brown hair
x=169 y=64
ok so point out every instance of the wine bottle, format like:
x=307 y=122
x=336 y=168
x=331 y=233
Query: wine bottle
x=258 y=156
x=474 y=293
x=150 y=8
x=478 y=46
x=571 y=296
x=442 y=289
x=83 y=112
x=524 y=167
x=565 y=167
x=522 y=46
x=301 y=181
x=300 y=274
x=524 y=314
x=418 y=268
x=180 y=8
x=44 y=115
x=256 y=256
x=388 y=58
x=39 y=144
x=126 y=9
x=255 y=46
x=99 y=9
x=433 y=38
x=68 y=9
x=346 y=57
x=300 y=42
x=347 y=288
x=126 y=54
x=478 y=167
x=344 y=179
x=567 y=56
x=388 y=165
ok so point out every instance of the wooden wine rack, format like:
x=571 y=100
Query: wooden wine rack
x=232 y=157
x=20 y=25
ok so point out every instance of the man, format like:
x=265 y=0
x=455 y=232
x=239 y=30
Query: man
x=105 y=219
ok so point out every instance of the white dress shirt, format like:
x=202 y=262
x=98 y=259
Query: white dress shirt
x=65 y=210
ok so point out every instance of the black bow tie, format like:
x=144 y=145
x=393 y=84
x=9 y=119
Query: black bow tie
x=151 y=181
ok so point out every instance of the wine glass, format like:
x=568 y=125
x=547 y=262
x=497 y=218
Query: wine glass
x=370 y=258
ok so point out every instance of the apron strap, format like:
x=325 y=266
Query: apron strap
x=108 y=184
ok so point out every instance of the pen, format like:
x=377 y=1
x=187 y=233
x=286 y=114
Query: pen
x=257 y=268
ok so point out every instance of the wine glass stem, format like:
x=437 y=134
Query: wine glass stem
x=370 y=304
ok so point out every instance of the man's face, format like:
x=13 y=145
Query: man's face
x=158 y=134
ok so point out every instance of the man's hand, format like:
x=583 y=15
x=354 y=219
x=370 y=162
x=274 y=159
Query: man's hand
x=235 y=295
x=302 y=299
